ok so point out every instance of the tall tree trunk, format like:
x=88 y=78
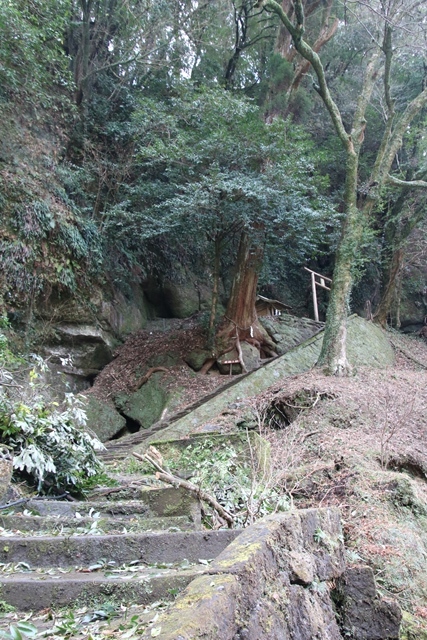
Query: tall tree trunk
x=240 y=321
x=333 y=356
x=389 y=293
x=241 y=305
x=400 y=223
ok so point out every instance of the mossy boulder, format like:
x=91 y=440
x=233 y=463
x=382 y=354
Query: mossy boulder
x=412 y=628
x=367 y=344
x=196 y=358
x=181 y=299
x=289 y=331
x=250 y=356
x=103 y=418
x=6 y=469
x=144 y=406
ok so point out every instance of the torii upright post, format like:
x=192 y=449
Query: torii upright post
x=315 y=305
x=314 y=284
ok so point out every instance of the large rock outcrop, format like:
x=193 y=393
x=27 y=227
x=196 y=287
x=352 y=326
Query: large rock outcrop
x=78 y=337
x=367 y=344
x=276 y=580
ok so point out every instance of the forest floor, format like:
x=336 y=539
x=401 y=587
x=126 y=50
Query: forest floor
x=164 y=342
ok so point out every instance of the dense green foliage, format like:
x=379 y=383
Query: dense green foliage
x=147 y=132
x=32 y=57
x=51 y=445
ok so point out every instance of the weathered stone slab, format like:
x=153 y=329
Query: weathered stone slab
x=145 y=405
x=150 y=501
x=27 y=592
x=367 y=345
x=6 y=469
x=55 y=551
x=364 y=614
x=274 y=581
x=249 y=593
x=289 y=331
x=208 y=608
x=103 y=418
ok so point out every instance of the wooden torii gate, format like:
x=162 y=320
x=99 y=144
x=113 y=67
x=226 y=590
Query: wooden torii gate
x=319 y=282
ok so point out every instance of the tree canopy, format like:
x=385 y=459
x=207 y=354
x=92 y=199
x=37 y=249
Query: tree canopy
x=184 y=124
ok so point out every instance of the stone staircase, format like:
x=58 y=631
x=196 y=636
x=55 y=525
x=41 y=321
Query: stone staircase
x=141 y=543
x=134 y=545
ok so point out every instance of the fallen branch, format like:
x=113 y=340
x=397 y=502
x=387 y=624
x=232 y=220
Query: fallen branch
x=148 y=375
x=169 y=478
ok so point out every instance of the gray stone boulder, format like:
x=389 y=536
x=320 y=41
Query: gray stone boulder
x=196 y=359
x=80 y=349
x=6 y=469
x=103 y=418
x=250 y=356
x=276 y=580
x=182 y=300
x=364 y=615
x=289 y=331
x=144 y=406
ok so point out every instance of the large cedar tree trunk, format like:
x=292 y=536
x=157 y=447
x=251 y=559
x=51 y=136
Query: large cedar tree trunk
x=240 y=322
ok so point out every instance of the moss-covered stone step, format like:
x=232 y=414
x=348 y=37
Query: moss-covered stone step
x=249 y=448
x=85 y=525
x=65 y=552
x=148 y=501
x=32 y=591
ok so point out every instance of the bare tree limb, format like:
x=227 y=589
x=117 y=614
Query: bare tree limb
x=169 y=478
x=408 y=184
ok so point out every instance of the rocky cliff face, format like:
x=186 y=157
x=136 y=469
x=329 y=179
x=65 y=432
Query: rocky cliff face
x=82 y=335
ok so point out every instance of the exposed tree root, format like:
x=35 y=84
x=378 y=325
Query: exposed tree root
x=231 y=336
x=240 y=354
x=148 y=375
x=207 y=365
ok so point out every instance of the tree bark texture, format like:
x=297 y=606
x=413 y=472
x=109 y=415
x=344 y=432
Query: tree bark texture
x=241 y=321
x=333 y=356
x=389 y=293
x=215 y=287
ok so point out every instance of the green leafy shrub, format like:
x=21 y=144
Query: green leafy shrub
x=50 y=445
x=19 y=631
x=237 y=480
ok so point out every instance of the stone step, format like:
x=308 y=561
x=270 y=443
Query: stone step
x=33 y=591
x=148 y=501
x=85 y=525
x=66 y=552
